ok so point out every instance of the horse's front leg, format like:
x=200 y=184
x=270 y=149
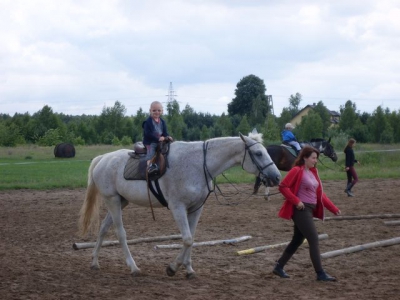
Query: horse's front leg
x=257 y=185
x=187 y=226
x=187 y=256
x=266 y=194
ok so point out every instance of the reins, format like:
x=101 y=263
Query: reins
x=322 y=163
x=207 y=173
x=215 y=185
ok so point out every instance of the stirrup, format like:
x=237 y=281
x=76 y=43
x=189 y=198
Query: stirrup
x=153 y=170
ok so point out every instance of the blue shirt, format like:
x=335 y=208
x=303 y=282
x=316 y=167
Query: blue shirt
x=288 y=136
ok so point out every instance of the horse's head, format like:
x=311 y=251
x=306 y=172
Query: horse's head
x=328 y=150
x=260 y=162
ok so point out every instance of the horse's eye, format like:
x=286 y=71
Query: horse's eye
x=259 y=153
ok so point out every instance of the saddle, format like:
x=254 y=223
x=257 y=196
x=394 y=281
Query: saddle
x=136 y=167
x=291 y=148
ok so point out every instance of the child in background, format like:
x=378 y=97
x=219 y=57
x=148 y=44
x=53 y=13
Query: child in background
x=352 y=177
x=289 y=138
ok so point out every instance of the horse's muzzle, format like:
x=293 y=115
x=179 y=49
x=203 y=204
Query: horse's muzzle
x=270 y=182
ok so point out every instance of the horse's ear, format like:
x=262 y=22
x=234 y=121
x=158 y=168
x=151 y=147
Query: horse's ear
x=242 y=137
x=254 y=131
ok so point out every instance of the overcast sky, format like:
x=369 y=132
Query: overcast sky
x=79 y=56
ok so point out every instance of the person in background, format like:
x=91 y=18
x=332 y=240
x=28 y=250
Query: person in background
x=289 y=138
x=352 y=177
x=304 y=201
x=154 y=131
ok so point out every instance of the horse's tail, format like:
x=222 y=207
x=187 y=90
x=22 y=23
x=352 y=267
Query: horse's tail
x=89 y=213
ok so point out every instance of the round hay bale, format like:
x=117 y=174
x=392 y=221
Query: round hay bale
x=64 y=150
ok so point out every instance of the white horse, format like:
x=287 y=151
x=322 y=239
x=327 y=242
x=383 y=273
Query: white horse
x=185 y=186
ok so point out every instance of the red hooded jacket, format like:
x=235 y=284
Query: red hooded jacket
x=289 y=188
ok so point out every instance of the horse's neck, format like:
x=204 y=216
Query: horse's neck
x=318 y=145
x=222 y=154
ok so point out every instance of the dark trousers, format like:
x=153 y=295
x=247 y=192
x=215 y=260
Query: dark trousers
x=304 y=228
x=352 y=176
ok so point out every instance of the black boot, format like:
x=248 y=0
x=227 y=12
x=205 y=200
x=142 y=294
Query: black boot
x=348 y=190
x=153 y=170
x=323 y=276
x=279 y=271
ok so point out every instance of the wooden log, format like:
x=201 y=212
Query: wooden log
x=391 y=223
x=357 y=248
x=262 y=248
x=381 y=216
x=78 y=246
x=206 y=243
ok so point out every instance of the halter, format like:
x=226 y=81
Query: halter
x=332 y=154
x=260 y=169
x=321 y=147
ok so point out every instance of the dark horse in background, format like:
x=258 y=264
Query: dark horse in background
x=284 y=156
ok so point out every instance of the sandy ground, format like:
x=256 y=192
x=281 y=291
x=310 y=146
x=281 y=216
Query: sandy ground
x=38 y=229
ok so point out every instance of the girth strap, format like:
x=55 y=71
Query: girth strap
x=158 y=194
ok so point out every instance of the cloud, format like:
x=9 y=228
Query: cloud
x=79 y=56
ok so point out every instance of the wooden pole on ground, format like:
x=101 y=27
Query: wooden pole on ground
x=357 y=248
x=207 y=243
x=381 y=216
x=78 y=246
x=262 y=248
x=391 y=223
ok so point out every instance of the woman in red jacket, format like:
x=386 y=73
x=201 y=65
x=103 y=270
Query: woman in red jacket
x=304 y=201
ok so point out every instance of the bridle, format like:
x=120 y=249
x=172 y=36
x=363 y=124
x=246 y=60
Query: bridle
x=331 y=153
x=260 y=168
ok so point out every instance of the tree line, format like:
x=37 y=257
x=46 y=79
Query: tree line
x=248 y=109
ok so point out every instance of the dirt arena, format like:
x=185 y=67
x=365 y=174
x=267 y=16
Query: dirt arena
x=38 y=229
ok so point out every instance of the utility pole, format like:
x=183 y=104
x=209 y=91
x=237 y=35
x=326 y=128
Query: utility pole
x=270 y=104
x=171 y=93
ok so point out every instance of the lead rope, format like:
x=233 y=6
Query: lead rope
x=322 y=163
x=206 y=172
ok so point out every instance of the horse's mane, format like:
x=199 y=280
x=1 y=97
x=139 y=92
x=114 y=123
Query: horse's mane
x=317 y=140
x=258 y=137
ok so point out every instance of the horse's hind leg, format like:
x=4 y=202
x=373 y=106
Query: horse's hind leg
x=114 y=208
x=105 y=226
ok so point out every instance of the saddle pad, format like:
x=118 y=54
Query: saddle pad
x=135 y=169
x=291 y=150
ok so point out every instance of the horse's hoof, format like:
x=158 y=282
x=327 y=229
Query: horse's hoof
x=170 y=272
x=95 y=267
x=190 y=275
x=136 y=273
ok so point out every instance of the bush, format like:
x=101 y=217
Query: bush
x=51 y=138
x=116 y=141
x=339 y=141
x=126 y=141
x=78 y=141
